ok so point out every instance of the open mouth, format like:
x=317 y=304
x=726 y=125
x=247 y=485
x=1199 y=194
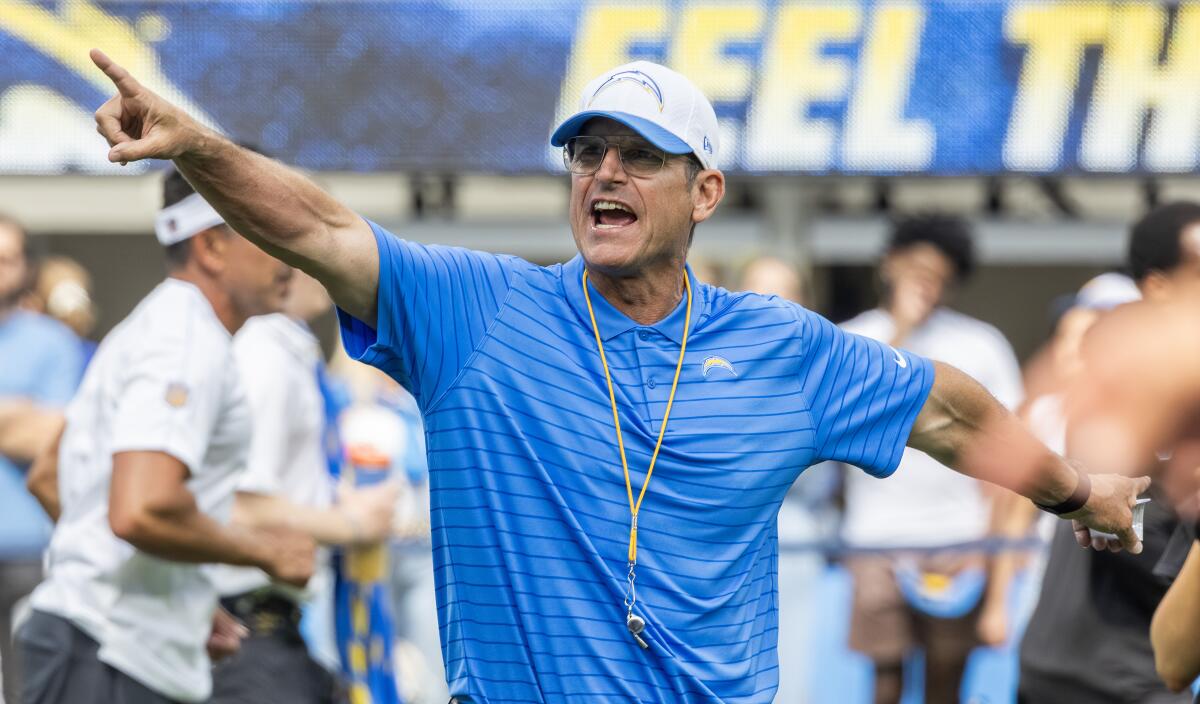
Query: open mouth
x=608 y=214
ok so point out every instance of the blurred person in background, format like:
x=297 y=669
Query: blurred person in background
x=772 y=276
x=141 y=483
x=62 y=289
x=1095 y=608
x=1145 y=395
x=40 y=365
x=706 y=270
x=932 y=600
x=1055 y=366
x=530 y=527
x=1176 y=621
x=379 y=400
x=1049 y=375
x=799 y=516
x=287 y=483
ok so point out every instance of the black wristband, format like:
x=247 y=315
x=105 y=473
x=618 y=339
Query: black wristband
x=1077 y=499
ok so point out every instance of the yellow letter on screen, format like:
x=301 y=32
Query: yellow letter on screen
x=877 y=137
x=602 y=42
x=1056 y=35
x=779 y=135
x=703 y=33
x=701 y=37
x=1131 y=81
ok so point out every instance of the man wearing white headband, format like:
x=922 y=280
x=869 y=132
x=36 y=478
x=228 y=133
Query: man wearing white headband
x=147 y=466
x=609 y=439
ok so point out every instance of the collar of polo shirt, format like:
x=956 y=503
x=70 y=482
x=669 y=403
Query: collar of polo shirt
x=613 y=322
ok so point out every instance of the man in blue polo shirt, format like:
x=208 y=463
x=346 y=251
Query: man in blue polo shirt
x=609 y=439
x=41 y=362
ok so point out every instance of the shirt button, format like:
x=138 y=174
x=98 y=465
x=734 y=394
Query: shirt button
x=652 y=383
x=644 y=335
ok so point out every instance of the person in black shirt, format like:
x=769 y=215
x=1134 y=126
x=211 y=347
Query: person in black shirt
x=1089 y=637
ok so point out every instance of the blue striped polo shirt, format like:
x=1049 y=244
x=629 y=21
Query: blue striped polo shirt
x=529 y=512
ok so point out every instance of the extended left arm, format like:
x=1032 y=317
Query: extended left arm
x=361 y=516
x=962 y=426
x=26 y=428
x=1173 y=629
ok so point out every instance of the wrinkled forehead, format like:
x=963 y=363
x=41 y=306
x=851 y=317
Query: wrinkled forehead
x=604 y=127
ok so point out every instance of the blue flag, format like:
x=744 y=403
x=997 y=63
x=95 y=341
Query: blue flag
x=363 y=620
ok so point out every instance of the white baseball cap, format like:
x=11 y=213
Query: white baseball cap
x=178 y=222
x=654 y=101
x=1107 y=291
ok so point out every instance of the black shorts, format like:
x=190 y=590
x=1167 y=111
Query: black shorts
x=273 y=665
x=61 y=665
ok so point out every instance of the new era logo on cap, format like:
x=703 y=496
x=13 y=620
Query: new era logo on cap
x=661 y=105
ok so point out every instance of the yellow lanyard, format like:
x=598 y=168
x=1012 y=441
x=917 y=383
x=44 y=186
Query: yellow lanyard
x=634 y=507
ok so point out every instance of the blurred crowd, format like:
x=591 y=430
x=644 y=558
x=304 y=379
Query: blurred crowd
x=936 y=567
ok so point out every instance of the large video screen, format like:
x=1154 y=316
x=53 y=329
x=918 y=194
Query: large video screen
x=914 y=87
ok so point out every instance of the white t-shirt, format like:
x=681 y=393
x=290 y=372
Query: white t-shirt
x=163 y=380
x=925 y=503
x=278 y=359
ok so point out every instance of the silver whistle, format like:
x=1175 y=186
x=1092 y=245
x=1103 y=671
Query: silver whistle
x=636 y=624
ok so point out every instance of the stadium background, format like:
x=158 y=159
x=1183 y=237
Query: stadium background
x=1050 y=124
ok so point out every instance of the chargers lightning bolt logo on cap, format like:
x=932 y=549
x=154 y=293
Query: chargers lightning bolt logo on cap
x=717 y=363
x=633 y=76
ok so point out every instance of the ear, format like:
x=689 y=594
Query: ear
x=707 y=192
x=1154 y=285
x=210 y=249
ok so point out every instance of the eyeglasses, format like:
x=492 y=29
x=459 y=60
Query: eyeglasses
x=583 y=156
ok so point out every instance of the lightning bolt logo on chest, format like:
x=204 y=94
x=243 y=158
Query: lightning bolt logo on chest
x=717 y=364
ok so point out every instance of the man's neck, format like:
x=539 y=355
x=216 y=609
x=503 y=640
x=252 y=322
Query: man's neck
x=647 y=298
x=218 y=298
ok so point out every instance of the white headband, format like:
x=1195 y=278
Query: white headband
x=178 y=222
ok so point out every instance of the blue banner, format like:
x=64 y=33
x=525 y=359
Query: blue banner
x=939 y=87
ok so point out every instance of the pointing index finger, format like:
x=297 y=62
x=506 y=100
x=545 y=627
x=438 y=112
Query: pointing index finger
x=126 y=84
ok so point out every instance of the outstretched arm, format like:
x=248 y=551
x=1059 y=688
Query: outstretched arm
x=151 y=508
x=26 y=428
x=361 y=516
x=1173 y=629
x=273 y=206
x=962 y=426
